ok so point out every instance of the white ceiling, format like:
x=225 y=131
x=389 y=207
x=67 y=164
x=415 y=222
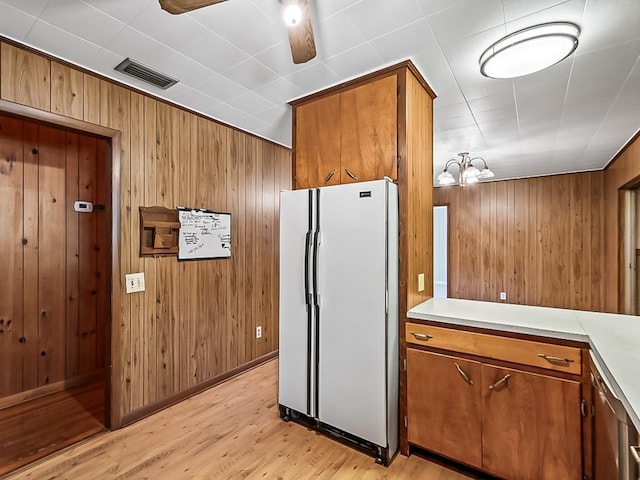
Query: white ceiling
x=234 y=64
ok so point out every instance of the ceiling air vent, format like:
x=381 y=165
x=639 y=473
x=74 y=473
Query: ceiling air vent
x=141 y=72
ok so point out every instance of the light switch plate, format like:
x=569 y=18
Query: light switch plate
x=135 y=282
x=421 y=282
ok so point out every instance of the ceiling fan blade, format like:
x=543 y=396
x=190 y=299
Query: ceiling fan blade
x=303 y=45
x=182 y=6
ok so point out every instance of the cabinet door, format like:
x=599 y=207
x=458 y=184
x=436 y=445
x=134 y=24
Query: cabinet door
x=317 y=143
x=370 y=131
x=444 y=409
x=530 y=425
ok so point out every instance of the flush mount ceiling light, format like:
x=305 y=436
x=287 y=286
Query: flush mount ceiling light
x=467 y=172
x=529 y=50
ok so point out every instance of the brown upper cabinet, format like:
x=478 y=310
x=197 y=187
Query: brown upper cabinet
x=349 y=135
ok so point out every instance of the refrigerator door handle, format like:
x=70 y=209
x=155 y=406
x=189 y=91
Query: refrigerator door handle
x=307 y=249
x=316 y=244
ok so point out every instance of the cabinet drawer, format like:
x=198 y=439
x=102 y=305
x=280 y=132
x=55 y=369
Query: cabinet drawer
x=526 y=352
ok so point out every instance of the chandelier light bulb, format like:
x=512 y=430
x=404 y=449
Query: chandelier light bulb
x=292 y=14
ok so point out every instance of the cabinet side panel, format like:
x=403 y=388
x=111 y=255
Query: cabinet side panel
x=418 y=183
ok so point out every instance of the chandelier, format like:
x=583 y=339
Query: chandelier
x=468 y=173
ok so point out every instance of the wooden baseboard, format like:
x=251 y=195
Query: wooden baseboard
x=147 y=410
x=38 y=392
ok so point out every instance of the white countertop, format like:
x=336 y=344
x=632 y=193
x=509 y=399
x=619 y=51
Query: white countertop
x=614 y=339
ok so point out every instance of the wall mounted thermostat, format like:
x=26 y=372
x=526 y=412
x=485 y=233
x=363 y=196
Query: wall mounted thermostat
x=81 y=206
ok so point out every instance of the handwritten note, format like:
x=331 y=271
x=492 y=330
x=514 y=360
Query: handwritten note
x=204 y=234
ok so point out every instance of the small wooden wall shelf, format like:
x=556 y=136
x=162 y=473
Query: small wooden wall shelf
x=159 y=228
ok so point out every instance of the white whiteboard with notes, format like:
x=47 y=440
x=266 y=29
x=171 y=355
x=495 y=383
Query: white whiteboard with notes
x=203 y=234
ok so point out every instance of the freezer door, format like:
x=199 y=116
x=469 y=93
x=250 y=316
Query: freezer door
x=352 y=295
x=295 y=389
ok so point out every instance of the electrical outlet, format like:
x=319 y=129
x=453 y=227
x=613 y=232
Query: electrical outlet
x=135 y=282
x=421 y=282
x=259 y=331
x=503 y=295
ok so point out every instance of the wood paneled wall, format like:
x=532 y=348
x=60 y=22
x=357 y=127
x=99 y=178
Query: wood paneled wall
x=540 y=240
x=622 y=172
x=196 y=320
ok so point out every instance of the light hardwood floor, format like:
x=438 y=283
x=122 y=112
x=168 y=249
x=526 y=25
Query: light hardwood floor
x=34 y=429
x=231 y=431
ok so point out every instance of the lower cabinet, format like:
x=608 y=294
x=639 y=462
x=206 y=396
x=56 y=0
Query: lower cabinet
x=507 y=422
x=444 y=405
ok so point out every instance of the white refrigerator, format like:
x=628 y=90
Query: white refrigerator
x=338 y=351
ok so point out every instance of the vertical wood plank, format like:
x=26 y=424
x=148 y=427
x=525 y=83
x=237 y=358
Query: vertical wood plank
x=91 y=99
x=67 y=91
x=501 y=237
x=30 y=280
x=187 y=270
x=51 y=255
x=576 y=240
x=25 y=77
x=72 y=296
x=88 y=288
x=598 y=213
x=520 y=269
x=168 y=155
x=11 y=263
x=102 y=242
x=532 y=240
x=251 y=177
x=138 y=178
x=150 y=316
x=234 y=293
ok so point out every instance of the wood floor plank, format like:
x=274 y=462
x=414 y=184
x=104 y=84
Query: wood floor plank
x=231 y=431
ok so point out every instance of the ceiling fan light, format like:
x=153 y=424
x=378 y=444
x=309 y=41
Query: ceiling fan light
x=529 y=50
x=292 y=14
x=445 y=178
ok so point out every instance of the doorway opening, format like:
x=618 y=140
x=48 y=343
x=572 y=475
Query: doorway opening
x=440 y=251
x=630 y=257
x=55 y=288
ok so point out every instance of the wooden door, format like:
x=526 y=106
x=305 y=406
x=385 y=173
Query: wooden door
x=444 y=409
x=317 y=143
x=54 y=260
x=369 y=135
x=531 y=426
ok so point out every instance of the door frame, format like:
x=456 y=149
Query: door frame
x=113 y=417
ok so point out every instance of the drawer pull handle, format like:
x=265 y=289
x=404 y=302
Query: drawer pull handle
x=500 y=382
x=422 y=336
x=552 y=359
x=351 y=174
x=331 y=174
x=463 y=375
x=635 y=452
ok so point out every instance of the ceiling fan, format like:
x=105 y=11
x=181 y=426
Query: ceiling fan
x=297 y=17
